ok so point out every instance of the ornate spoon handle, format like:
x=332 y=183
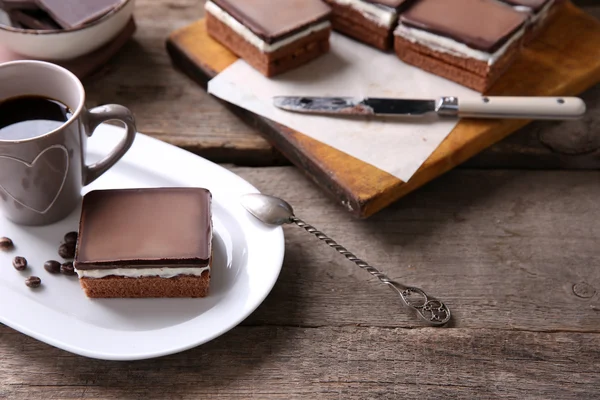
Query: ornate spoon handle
x=431 y=310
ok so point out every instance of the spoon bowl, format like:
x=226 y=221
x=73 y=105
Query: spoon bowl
x=269 y=209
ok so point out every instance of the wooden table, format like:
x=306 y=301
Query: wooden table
x=509 y=241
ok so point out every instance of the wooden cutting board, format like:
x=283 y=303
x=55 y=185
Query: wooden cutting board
x=564 y=60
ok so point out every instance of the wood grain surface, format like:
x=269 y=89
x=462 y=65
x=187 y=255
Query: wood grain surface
x=564 y=59
x=517 y=262
x=327 y=363
x=168 y=107
x=513 y=245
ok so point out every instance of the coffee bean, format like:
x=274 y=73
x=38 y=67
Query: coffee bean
x=67 y=250
x=6 y=243
x=33 y=282
x=71 y=237
x=67 y=268
x=52 y=266
x=20 y=263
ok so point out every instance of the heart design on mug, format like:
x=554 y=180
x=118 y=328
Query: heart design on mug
x=40 y=182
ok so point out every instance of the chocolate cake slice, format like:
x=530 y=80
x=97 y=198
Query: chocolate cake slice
x=471 y=42
x=145 y=243
x=369 y=21
x=271 y=36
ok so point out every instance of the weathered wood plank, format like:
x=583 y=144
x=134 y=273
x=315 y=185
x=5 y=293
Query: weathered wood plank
x=324 y=363
x=504 y=249
x=170 y=107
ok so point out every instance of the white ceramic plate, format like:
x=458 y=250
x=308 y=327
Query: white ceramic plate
x=247 y=261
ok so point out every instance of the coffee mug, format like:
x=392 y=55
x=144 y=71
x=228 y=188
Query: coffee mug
x=41 y=177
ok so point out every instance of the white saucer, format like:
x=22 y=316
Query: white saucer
x=247 y=260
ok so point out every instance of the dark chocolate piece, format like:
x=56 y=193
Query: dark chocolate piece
x=9 y=5
x=72 y=14
x=275 y=20
x=535 y=5
x=480 y=24
x=37 y=20
x=145 y=228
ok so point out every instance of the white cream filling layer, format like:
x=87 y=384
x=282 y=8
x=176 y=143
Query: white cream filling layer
x=446 y=45
x=381 y=16
x=254 y=40
x=141 y=272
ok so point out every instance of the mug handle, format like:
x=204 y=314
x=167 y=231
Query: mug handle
x=98 y=115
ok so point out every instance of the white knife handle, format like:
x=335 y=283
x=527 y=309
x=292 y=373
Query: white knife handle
x=514 y=107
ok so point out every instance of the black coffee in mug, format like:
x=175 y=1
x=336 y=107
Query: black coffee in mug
x=26 y=117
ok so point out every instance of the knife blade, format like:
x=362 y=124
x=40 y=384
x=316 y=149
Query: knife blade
x=477 y=107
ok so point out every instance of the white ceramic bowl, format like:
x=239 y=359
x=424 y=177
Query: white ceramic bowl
x=67 y=44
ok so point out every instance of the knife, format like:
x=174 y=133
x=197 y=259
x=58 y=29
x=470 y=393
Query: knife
x=475 y=107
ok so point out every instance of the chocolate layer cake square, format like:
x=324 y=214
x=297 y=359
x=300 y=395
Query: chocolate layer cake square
x=271 y=36
x=370 y=21
x=145 y=243
x=471 y=42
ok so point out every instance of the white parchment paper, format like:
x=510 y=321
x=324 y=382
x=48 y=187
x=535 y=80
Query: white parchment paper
x=398 y=147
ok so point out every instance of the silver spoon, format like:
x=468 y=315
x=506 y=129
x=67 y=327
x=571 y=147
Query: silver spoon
x=275 y=211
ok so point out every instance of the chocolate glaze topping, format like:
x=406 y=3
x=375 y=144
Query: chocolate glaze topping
x=535 y=5
x=273 y=20
x=71 y=14
x=480 y=24
x=145 y=228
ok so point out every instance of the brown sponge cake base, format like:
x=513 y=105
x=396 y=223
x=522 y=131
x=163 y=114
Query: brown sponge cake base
x=284 y=59
x=352 y=23
x=475 y=74
x=152 y=286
